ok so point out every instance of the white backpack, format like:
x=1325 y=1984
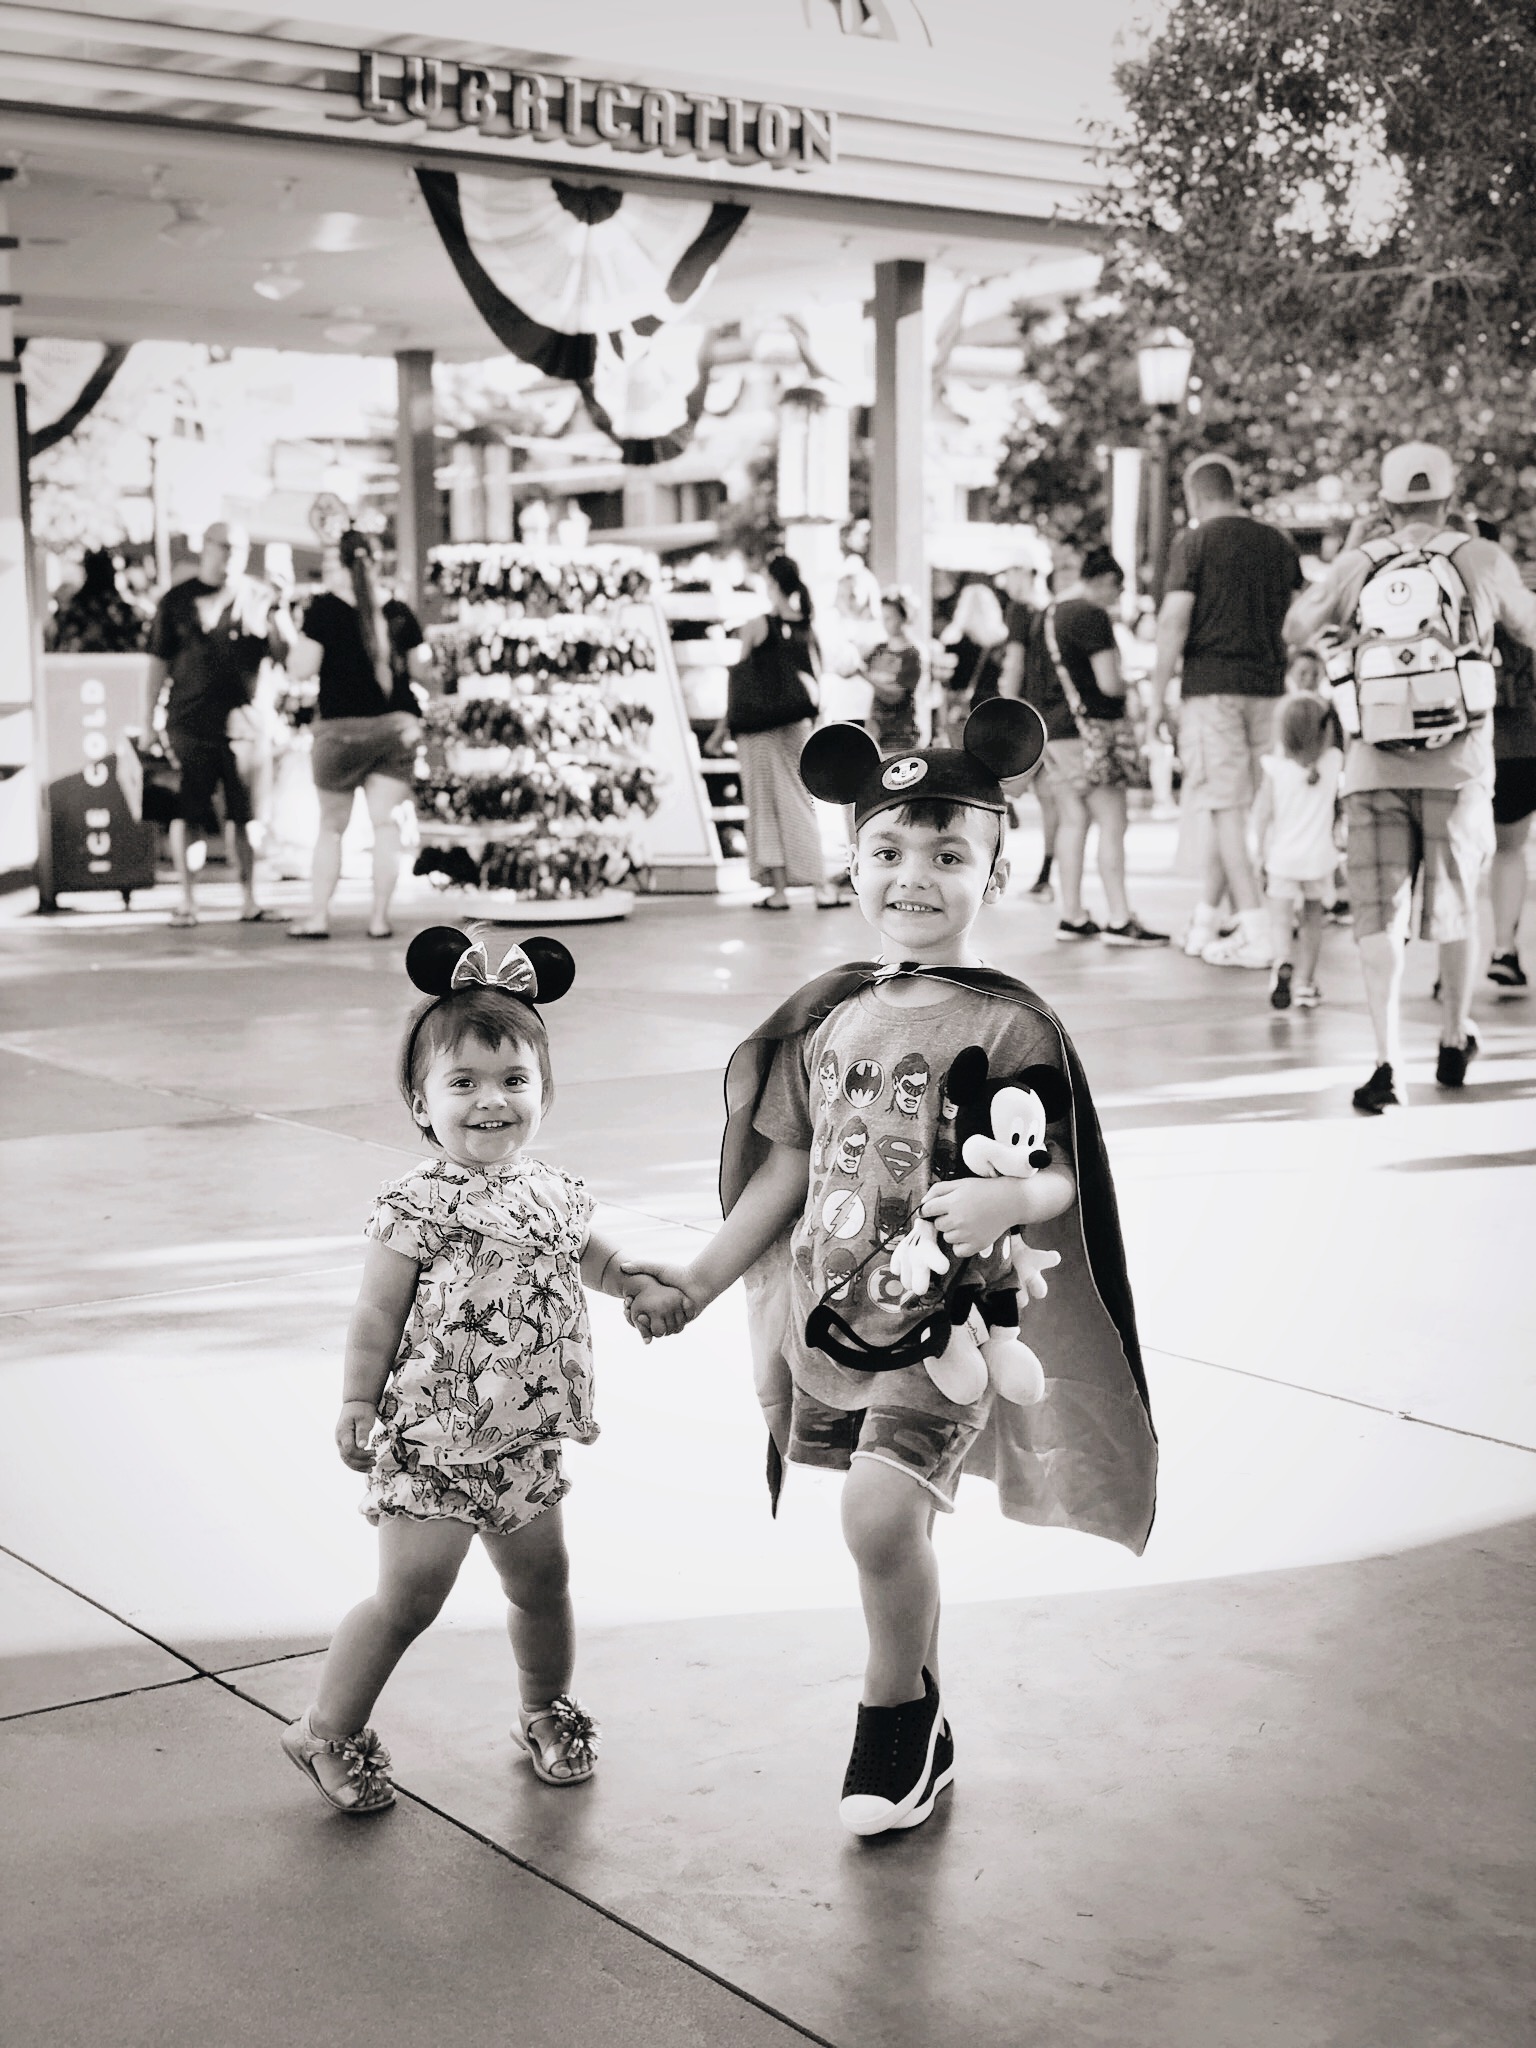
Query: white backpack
x=1419 y=671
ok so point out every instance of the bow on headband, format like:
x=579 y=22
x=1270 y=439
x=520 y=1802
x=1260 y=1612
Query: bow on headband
x=443 y=959
x=515 y=974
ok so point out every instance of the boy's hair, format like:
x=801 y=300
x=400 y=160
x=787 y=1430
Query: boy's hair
x=1306 y=727
x=1100 y=562
x=490 y=1016
x=938 y=814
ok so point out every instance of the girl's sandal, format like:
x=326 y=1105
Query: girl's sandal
x=568 y=1756
x=367 y=1788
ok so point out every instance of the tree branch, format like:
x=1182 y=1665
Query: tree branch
x=91 y=393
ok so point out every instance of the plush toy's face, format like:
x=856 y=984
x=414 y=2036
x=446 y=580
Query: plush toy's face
x=1015 y=1147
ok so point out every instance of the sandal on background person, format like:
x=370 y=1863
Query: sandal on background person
x=571 y=1744
x=366 y=1787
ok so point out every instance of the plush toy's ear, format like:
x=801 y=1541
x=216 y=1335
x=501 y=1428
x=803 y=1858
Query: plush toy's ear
x=835 y=761
x=1052 y=1087
x=432 y=955
x=1005 y=735
x=966 y=1082
x=553 y=965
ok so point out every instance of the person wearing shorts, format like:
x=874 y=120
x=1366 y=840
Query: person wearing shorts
x=1418 y=815
x=210 y=635
x=1230 y=581
x=366 y=654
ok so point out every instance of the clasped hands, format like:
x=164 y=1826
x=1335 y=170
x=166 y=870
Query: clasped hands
x=659 y=1297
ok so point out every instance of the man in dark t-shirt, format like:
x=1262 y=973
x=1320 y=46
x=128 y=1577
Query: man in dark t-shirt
x=1230 y=584
x=210 y=636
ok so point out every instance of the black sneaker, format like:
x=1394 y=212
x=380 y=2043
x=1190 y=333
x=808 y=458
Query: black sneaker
x=1505 y=971
x=1377 y=1094
x=1451 y=1065
x=1280 y=987
x=1133 y=933
x=1069 y=934
x=902 y=1759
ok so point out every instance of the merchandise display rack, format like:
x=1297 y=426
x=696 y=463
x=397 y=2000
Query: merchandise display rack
x=534 y=778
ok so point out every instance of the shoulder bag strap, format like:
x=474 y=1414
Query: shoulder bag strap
x=1068 y=687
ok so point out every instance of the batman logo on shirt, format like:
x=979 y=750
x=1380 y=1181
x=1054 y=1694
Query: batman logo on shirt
x=863 y=1083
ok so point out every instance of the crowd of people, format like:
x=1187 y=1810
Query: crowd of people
x=1289 y=816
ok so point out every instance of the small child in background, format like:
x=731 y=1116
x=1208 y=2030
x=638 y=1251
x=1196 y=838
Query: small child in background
x=1305 y=674
x=895 y=672
x=1294 y=824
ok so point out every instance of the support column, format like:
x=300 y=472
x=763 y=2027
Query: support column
x=897 y=553
x=416 y=511
x=18 y=636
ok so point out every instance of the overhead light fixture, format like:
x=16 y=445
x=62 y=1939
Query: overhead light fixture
x=189 y=226
x=277 y=282
x=349 y=329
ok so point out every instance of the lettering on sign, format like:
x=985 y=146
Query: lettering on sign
x=93 y=740
x=716 y=127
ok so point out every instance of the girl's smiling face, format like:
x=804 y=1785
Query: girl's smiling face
x=483 y=1104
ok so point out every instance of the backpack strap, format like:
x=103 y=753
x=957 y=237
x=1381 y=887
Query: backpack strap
x=1380 y=551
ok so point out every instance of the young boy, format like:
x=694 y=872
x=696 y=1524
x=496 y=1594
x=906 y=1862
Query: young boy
x=839 y=1131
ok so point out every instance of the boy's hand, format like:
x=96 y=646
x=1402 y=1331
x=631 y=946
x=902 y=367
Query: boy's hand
x=354 y=1426
x=658 y=1300
x=973 y=1214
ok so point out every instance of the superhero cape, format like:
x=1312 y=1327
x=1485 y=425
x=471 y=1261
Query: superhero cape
x=1085 y=1457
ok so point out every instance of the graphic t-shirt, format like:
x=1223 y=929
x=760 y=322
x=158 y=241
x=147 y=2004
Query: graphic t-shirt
x=864 y=1095
x=1243 y=576
x=349 y=687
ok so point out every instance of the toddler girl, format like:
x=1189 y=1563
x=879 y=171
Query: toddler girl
x=1294 y=821
x=895 y=672
x=468 y=1359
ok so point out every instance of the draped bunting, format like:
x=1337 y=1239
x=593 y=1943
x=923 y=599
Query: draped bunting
x=582 y=282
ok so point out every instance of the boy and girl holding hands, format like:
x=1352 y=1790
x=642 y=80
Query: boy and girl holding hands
x=469 y=1359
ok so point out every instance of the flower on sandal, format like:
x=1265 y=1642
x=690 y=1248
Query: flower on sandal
x=367 y=1761
x=578 y=1732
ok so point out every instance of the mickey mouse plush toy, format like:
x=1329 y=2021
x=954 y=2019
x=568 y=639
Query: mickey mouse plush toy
x=1000 y=1130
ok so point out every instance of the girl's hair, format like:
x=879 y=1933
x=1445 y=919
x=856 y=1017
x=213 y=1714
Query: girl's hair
x=785 y=572
x=979 y=617
x=490 y=1016
x=1100 y=562
x=356 y=551
x=1306 y=727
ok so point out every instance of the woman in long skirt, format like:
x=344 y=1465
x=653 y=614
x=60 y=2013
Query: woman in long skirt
x=779 y=654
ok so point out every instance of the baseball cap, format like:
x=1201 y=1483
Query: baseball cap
x=1418 y=473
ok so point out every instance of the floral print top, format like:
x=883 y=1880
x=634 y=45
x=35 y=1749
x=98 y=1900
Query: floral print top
x=496 y=1354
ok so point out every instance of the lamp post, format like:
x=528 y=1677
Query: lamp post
x=1162 y=367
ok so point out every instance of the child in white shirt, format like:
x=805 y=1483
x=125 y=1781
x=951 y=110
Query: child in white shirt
x=1294 y=822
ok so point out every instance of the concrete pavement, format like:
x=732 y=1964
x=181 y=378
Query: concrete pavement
x=1270 y=1782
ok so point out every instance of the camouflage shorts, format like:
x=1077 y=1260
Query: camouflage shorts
x=930 y=1447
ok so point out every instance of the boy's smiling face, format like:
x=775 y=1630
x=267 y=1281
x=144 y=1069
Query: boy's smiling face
x=922 y=886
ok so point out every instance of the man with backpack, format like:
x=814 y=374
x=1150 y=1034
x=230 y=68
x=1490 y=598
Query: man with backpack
x=1407 y=623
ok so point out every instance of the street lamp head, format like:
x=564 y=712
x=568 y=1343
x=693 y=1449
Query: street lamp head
x=1162 y=365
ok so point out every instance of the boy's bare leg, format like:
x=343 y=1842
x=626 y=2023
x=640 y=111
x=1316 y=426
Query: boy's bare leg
x=887 y=1525
x=1310 y=942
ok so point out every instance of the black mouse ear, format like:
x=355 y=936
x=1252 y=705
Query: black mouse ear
x=835 y=762
x=1051 y=1085
x=553 y=967
x=966 y=1082
x=1006 y=736
x=432 y=955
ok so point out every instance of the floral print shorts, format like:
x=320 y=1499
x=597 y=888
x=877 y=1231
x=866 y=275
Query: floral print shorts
x=496 y=1496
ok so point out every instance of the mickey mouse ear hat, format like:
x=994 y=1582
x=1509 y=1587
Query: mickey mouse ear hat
x=442 y=959
x=1003 y=738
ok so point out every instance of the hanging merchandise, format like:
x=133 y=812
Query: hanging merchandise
x=582 y=282
x=533 y=775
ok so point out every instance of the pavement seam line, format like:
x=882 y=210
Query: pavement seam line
x=196 y=1671
x=1349 y=1400
x=96 y=1699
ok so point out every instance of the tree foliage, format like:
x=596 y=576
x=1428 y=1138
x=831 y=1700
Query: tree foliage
x=1332 y=199
x=1330 y=179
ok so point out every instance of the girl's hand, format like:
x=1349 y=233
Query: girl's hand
x=656 y=1309
x=354 y=1426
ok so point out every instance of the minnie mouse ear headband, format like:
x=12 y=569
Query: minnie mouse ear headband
x=442 y=959
x=1003 y=738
